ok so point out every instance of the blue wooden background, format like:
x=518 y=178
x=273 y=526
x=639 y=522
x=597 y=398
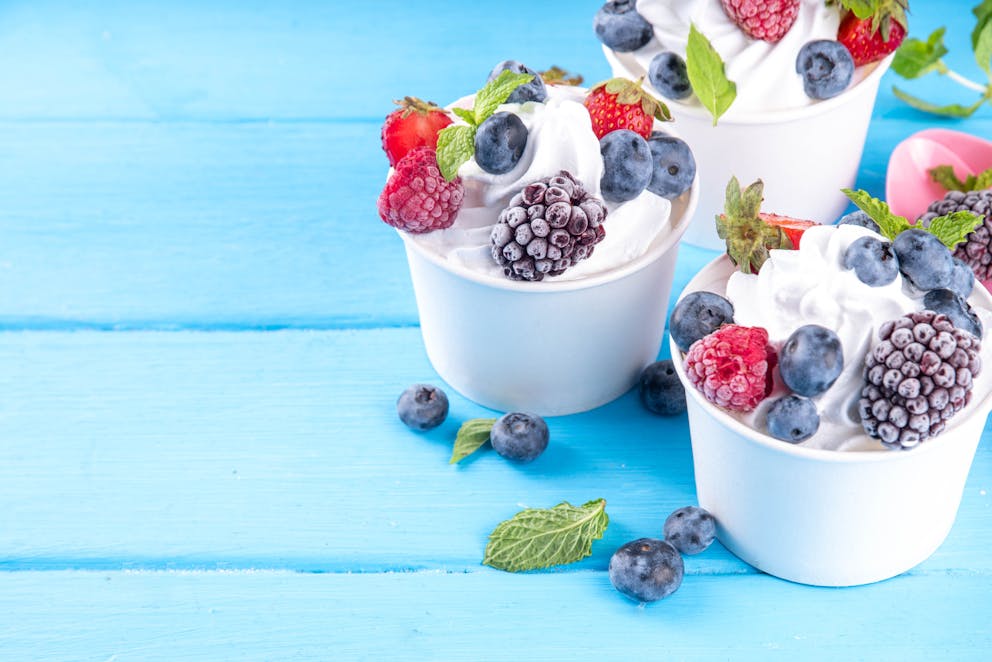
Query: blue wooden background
x=204 y=328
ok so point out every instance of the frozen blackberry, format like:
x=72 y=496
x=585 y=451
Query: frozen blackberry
x=548 y=226
x=916 y=378
x=975 y=249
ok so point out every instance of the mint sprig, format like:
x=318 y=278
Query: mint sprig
x=945 y=176
x=538 y=538
x=951 y=228
x=456 y=143
x=472 y=435
x=707 y=75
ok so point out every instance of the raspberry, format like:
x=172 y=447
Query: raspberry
x=916 y=378
x=547 y=227
x=767 y=20
x=975 y=250
x=417 y=198
x=732 y=367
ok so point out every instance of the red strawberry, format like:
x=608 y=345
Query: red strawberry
x=732 y=367
x=415 y=123
x=767 y=20
x=874 y=36
x=793 y=227
x=619 y=103
x=417 y=198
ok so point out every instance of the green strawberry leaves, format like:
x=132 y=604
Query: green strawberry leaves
x=707 y=75
x=951 y=229
x=749 y=238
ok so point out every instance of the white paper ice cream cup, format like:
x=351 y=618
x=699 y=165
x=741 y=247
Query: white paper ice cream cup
x=828 y=518
x=550 y=348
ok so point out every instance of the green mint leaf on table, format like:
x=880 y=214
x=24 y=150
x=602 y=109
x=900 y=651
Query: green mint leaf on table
x=916 y=58
x=890 y=224
x=950 y=110
x=538 y=538
x=455 y=146
x=953 y=228
x=471 y=437
x=496 y=92
x=944 y=175
x=465 y=114
x=707 y=75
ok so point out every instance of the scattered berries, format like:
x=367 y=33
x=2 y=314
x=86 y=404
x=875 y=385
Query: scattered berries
x=667 y=73
x=673 y=166
x=792 y=418
x=873 y=260
x=923 y=259
x=811 y=360
x=826 y=67
x=690 y=530
x=732 y=367
x=532 y=91
x=417 y=198
x=547 y=227
x=661 y=389
x=956 y=308
x=619 y=103
x=870 y=39
x=975 y=250
x=647 y=569
x=767 y=20
x=618 y=26
x=499 y=143
x=415 y=123
x=916 y=378
x=628 y=165
x=860 y=219
x=422 y=407
x=696 y=315
x=519 y=437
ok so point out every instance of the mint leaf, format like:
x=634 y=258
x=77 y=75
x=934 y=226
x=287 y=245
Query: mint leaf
x=455 y=146
x=707 y=75
x=540 y=538
x=470 y=438
x=983 y=49
x=496 y=92
x=952 y=110
x=944 y=175
x=915 y=58
x=467 y=115
x=952 y=228
x=890 y=224
x=983 y=15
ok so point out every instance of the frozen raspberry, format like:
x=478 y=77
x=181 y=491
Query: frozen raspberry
x=975 y=250
x=767 y=20
x=417 y=198
x=732 y=367
x=916 y=378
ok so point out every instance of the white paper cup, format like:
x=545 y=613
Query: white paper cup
x=828 y=518
x=550 y=348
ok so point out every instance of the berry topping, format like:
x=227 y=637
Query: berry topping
x=923 y=259
x=415 y=124
x=956 y=308
x=767 y=20
x=732 y=367
x=875 y=35
x=860 y=219
x=811 y=360
x=422 y=407
x=618 y=26
x=661 y=390
x=690 y=530
x=962 y=279
x=558 y=76
x=647 y=569
x=417 y=198
x=975 y=250
x=667 y=74
x=793 y=419
x=873 y=260
x=916 y=378
x=619 y=103
x=696 y=315
x=792 y=227
x=519 y=437
x=500 y=142
x=673 y=166
x=826 y=67
x=547 y=227
x=627 y=165
x=532 y=91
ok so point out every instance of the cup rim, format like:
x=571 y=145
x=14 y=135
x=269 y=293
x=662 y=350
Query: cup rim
x=801 y=452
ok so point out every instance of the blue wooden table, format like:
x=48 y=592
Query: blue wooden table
x=205 y=328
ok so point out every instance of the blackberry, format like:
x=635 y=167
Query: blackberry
x=916 y=378
x=548 y=226
x=975 y=250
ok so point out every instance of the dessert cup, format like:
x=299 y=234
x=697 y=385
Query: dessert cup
x=823 y=517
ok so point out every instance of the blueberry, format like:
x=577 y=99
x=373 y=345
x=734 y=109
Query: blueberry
x=811 y=360
x=962 y=278
x=861 y=219
x=697 y=315
x=661 y=390
x=673 y=166
x=646 y=569
x=532 y=91
x=667 y=74
x=923 y=260
x=620 y=27
x=793 y=419
x=422 y=407
x=690 y=530
x=519 y=437
x=826 y=67
x=956 y=308
x=627 y=165
x=872 y=260
x=500 y=142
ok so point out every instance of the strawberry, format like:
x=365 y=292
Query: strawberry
x=871 y=37
x=732 y=367
x=415 y=123
x=793 y=227
x=619 y=103
x=767 y=20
